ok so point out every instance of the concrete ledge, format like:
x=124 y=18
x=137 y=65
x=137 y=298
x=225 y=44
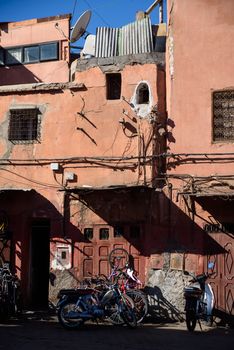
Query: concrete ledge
x=40 y=87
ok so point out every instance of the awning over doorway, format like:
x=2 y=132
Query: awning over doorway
x=89 y=189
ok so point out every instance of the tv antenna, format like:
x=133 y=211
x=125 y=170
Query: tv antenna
x=80 y=26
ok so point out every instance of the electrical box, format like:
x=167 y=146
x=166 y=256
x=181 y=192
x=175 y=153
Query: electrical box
x=69 y=176
x=54 y=166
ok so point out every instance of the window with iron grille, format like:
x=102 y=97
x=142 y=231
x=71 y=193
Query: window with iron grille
x=223 y=115
x=24 y=125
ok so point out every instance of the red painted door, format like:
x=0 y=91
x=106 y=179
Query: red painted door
x=99 y=240
x=222 y=280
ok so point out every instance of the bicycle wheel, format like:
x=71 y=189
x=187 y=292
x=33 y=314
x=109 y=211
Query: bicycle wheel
x=68 y=315
x=118 y=258
x=113 y=311
x=128 y=313
x=140 y=302
x=191 y=320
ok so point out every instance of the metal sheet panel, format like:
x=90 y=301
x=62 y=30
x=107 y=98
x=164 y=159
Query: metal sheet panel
x=136 y=38
x=133 y=38
x=106 y=42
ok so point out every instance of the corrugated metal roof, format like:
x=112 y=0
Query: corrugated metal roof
x=106 y=42
x=136 y=38
x=133 y=38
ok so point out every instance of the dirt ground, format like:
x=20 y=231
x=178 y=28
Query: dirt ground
x=40 y=332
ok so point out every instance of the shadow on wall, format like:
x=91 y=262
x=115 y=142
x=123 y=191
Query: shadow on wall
x=160 y=309
x=165 y=227
x=19 y=74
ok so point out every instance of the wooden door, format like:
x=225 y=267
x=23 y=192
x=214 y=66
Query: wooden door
x=98 y=242
x=222 y=280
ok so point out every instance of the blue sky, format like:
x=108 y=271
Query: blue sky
x=112 y=13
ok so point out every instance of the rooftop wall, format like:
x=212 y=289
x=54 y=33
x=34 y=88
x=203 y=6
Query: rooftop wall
x=34 y=32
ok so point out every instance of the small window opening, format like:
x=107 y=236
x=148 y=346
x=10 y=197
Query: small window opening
x=64 y=255
x=24 y=125
x=104 y=233
x=143 y=94
x=118 y=231
x=88 y=233
x=113 y=84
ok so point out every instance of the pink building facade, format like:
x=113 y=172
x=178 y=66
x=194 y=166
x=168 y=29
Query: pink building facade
x=77 y=160
x=200 y=102
x=132 y=151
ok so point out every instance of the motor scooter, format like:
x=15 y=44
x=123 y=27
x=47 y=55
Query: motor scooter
x=76 y=306
x=199 y=299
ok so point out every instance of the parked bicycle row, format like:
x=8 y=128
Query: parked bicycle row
x=117 y=298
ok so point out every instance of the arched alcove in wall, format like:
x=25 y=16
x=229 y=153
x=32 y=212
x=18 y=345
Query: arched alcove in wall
x=142 y=99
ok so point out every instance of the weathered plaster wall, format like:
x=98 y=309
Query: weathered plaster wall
x=202 y=60
x=81 y=131
x=198 y=61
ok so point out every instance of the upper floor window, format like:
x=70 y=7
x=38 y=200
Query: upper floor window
x=24 y=125
x=29 y=54
x=49 y=51
x=113 y=84
x=14 y=55
x=223 y=115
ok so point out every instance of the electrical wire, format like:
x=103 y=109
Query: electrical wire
x=74 y=7
x=28 y=179
x=98 y=14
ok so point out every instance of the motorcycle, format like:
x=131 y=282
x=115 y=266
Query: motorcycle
x=76 y=306
x=199 y=300
x=10 y=301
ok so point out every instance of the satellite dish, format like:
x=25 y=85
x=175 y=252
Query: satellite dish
x=80 y=26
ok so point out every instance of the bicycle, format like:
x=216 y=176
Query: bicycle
x=129 y=283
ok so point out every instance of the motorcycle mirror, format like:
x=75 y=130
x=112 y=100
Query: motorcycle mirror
x=210 y=265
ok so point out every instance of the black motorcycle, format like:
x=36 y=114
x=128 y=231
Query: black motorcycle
x=10 y=298
x=199 y=300
x=76 y=306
